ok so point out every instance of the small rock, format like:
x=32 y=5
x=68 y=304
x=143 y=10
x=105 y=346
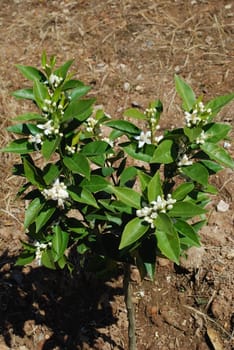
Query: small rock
x=222 y=206
x=126 y=87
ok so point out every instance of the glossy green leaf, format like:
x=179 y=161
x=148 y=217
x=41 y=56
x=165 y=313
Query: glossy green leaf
x=32 y=211
x=185 y=209
x=59 y=242
x=217 y=131
x=124 y=126
x=127 y=174
x=25 y=258
x=24 y=93
x=132 y=150
x=134 y=113
x=154 y=188
x=192 y=133
x=133 y=231
x=50 y=173
x=76 y=109
x=44 y=216
x=40 y=93
x=23 y=129
x=20 y=146
x=95 y=148
x=196 y=172
x=62 y=71
x=185 y=92
x=72 y=84
x=48 y=260
x=78 y=164
x=79 y=92
x=29 y=117
x=96 y=183
x=32 y=173
x=82 y=196
x=187 y=231
x=167 y=238
x=31 y=73
x=163 y=152
x=182 y=190
x=49 y=146
x=144 y=179
x=128 y=196
x=219 y=102
x=217 y=153
x=213 y=166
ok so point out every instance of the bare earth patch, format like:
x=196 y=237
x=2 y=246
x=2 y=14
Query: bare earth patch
x=128 y=51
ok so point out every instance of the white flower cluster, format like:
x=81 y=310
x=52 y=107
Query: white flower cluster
x=185 y=161
x=201 y=138
x=199 y=115
x=161 y=205
x=49 y=128
x=91 y=122
x=70 y=149
x=54 y=80
x=145 y=138
x=37 y=139
x=107 y=140
x=58 y=192
x=40 y=248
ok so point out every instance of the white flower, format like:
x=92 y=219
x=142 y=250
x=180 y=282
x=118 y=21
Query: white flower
x=201 y=138
x=37 y=139
x=158 y=138
x=185 y=161
x=47 y=128
x=55 y=80
x=40 y=248
x=107 y=140
x=143 y=138
x=70 y=149
x=161 y=205
x=199 y=115
x=58 y=192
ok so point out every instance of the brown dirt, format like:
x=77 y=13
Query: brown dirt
x=142 y=43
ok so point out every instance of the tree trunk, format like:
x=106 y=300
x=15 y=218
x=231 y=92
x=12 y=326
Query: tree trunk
x=130 y=308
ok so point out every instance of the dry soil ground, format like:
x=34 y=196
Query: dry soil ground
x=128 y=50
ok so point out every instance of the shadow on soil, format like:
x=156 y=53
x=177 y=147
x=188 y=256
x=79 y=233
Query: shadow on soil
x=72 y=307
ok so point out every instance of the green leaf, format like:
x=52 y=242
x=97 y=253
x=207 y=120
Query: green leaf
x=32 y=173
x=219 y=102
x=59 y=242
x=62 y=71
x=48 y=260
x=79 y=92
x=25 y=258
x=23 y=129
x=44 y=216
x=20 y=146
x=95 y=148
x=32 y=212
x=24 y=93
x=132 y=150
x=82 y=196
x=124 y=126
x=72 y=84
x=76 y=109
x=162 y=153
x=187 y=231
x=186 y=209
x=40 y=93
x=192 y=133
x=217 y=153
x=196 y=172
x=185 y=92
x=51 y=173
x=133 y=231
x=154 y=188
x=182 y=190
x=78 y=164
x=96 y=183
x=144 y=179
x=216 y=132
x=167 y=238
x=49 y=146
x=213 y=166
x=134 y=113
x=127 y=175
x=150 y=270
x=31 y=73
x=128 y=196
x=29 y=117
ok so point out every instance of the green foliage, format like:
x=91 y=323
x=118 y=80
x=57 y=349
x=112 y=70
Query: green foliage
x=126 y=196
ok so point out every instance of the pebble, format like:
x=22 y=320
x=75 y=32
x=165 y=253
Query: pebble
x=222 y=206
x=126 y=87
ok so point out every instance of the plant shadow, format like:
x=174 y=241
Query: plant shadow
x=73 y=307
